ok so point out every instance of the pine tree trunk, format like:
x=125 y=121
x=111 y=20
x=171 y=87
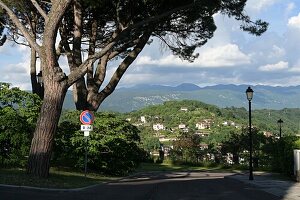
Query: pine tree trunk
x=80 y=95
x=41 y=145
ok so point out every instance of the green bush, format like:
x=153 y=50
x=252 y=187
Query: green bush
x=113 y=145
x=279 y=154
x=15 y=138
x=18 y=114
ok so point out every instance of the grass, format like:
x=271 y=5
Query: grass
x=62 y=179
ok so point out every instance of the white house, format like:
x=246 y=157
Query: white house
x=184 y=109
x=143 y=119
x=202 y=134
x=225 y=123
x=204 y=124
x=181 y=126
x=158 y=127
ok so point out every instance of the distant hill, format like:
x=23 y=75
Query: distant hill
x=140 y=96
x=170 y=114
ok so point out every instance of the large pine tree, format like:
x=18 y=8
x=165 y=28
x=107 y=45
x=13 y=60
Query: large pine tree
x=104 y=30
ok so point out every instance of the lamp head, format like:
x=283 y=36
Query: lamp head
x=280 y=121
x=249 y=93
x=39 y=77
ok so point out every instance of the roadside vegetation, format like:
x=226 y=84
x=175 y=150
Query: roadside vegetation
x=121 y=144
x=58 y=179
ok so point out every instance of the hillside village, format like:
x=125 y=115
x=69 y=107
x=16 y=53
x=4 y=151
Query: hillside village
x=170 y=121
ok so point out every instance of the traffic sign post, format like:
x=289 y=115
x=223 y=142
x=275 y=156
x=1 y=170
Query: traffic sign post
x=86 y=129
x=86 y=118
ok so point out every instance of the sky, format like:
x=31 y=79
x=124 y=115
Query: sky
x=230 y=57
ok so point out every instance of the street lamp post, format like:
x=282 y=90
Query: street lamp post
x=249 y=93
x=279 y=123
x=40 y=81
x=39 y=78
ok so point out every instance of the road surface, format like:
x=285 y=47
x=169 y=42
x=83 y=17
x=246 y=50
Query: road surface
x=152 y=186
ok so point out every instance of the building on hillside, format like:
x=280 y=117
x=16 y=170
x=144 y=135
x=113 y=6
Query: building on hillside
x=228 y=123
x=268 y=134
x=204 y=124
x=202 y=134
x=181 y=126
x=162 y=138
x=185 y=109
x=203 y=146
x=225 y=123
x=158 y=127
x=128 y=119
x=143 y=119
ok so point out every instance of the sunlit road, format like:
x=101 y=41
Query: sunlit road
x=152 y=186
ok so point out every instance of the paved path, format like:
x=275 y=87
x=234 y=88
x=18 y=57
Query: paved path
x=285 y=189
x=153 y=186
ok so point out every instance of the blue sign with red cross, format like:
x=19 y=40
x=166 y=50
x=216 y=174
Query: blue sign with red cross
x=86 y=117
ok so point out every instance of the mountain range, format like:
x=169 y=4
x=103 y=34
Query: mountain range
x=140 y=96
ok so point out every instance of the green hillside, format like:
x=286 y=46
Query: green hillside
x=170 y=114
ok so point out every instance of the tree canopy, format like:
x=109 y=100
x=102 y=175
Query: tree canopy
x=92 y=33
x=109 y=30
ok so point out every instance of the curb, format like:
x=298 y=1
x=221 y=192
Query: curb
x=50 y=189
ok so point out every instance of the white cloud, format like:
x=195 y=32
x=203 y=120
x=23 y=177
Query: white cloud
x=222 y=56
x=227 y=55
x=145 y=60
x=296 y=67
x=290 y=7
x=274 y=67
x=285 y=81
x=276 y=52
x=133 y=79
x=258 y=5
x=294 y=22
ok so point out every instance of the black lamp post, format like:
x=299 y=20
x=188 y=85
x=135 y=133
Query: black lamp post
x=249 y=93
x=279 y=123
x=40 y=81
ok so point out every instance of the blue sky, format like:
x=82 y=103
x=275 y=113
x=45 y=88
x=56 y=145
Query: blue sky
x=230 y=57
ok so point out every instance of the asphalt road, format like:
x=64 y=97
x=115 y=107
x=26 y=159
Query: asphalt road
x=151 y=186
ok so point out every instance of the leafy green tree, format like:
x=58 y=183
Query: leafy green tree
x=235 y=144
x=113 y=145
x=279 y=154
x=148 y=141
x=18 y=113
x=15 y=138
x=187 y=148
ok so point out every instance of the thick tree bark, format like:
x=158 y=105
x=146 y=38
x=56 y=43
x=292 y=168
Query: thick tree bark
x=55 y=88
x=80 y=95
x=41 y=146
x=34 y=84
x=79 y=87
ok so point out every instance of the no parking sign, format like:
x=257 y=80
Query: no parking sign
x=86 y=117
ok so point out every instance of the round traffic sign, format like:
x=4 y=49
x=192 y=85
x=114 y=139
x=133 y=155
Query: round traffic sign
x=86 y=117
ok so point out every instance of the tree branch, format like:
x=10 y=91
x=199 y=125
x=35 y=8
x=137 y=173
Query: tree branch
x=40 y=10
x=19 y=25
x=82 y=69
x=110 y=87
